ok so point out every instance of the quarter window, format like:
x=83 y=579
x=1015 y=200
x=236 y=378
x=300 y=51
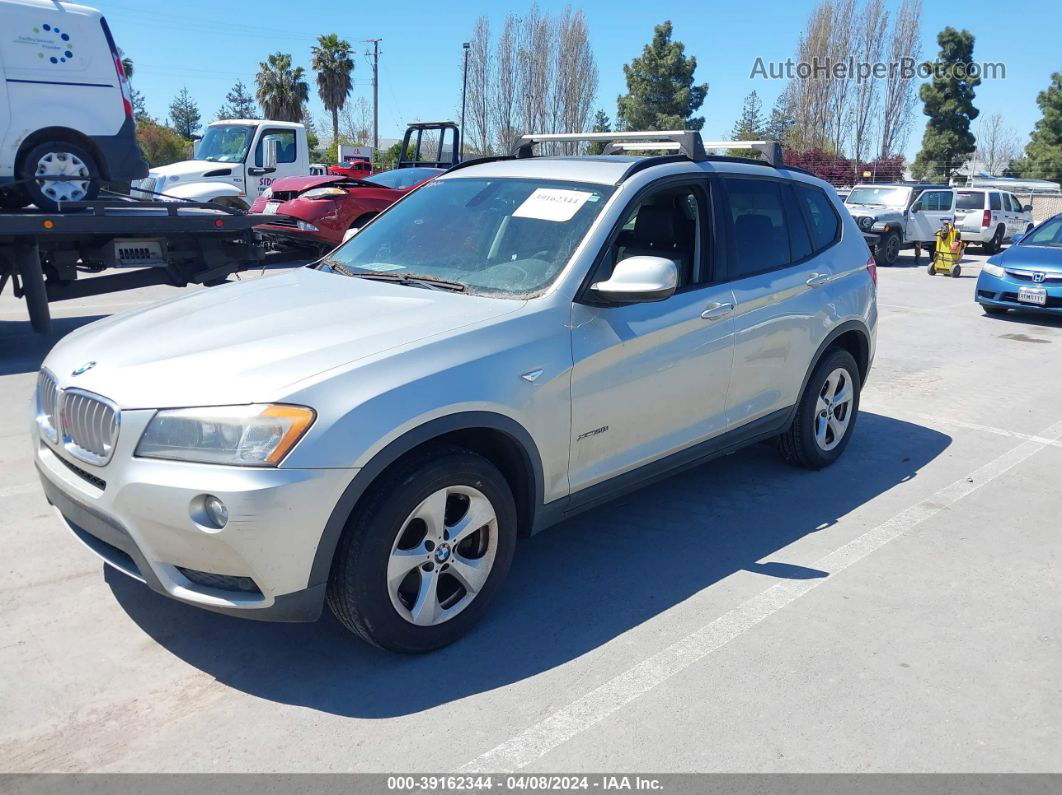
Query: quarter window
x=993 y=201
x=825 y=225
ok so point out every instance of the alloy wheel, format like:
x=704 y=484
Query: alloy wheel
x=833 y=410
x=63 y=164
x=443 y=555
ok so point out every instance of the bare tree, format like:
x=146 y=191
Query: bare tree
x=480 y=131
x=535 y=70
x=898 y=99
x=356 y=121
x=811 y=92
x=840 y=93
x=506 y=83
x=575 y=84
x=997 y=144
x=869 y=41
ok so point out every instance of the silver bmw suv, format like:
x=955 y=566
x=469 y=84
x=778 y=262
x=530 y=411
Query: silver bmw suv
x=518 y=340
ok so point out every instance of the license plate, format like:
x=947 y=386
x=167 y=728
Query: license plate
x=271 y=208
x=1032 y=295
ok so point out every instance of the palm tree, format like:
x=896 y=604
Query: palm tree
x=282 y=91
x=331 y=61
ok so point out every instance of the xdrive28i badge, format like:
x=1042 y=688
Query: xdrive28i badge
x=84 y=368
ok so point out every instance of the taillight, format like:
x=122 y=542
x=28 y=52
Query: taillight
x=872 y=268
x=123 y=81
x=986 y=219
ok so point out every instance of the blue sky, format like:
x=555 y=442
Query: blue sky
x=207 y=45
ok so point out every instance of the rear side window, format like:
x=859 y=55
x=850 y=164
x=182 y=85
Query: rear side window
x=799 y=239
x=993 y=201
x=969 y=200
x=758 y=225
x=825 y=225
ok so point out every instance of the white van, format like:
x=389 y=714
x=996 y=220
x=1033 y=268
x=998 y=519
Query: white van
x=66 y=113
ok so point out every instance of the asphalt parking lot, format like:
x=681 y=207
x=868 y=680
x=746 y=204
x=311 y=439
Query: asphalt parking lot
x=900 y=611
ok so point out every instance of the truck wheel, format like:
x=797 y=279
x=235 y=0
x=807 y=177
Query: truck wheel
x=887 y=251
x=60 y=159
x=826 y=415
x=31 y=278
x=995 y=244
x=425 y=552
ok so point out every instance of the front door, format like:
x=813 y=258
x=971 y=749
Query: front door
x=928 y=214
x=289 y=159
x=651 y=379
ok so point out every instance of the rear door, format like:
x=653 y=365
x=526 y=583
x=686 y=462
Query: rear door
x=651 y=379
x=777 y=279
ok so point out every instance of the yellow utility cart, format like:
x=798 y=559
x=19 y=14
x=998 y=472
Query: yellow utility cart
x=947 y=252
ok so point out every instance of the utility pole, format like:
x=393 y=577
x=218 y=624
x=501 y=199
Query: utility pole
x=464 y=87
x=375 y=96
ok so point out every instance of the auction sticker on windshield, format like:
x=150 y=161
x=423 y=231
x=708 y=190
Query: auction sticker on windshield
x=552 y=204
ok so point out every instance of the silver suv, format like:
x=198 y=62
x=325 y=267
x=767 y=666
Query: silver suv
x=518 y=340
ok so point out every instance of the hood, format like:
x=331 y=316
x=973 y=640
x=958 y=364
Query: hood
x=1037 y=258
x=188 y=169
x=298 y=184
x=251 y=341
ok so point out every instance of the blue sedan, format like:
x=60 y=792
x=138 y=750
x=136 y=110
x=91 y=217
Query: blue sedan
x=1028 y=275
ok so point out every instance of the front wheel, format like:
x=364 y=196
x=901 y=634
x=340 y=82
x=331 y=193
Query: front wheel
x=887 y=251
x=826 y=415
x=426 y=551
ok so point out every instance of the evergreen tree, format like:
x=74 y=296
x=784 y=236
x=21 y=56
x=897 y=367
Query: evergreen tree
x=602 y=123
x=661 y=94
x=948 y=101
x=1043 y=153
x=184 y=114
x=781 y=120
x=749 y=126
x=140 y=112
x=239 y=104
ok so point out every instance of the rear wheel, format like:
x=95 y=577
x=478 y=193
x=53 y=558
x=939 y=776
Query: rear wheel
x=956 y=272
x=60 y=171
x=995 y=244
x=426 y=552
x=826 y=415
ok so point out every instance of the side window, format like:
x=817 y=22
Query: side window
x=668 y=223
x=758 y=228
x=285 y=152
x=799 y=240
x=825 y=225
x=993 y=201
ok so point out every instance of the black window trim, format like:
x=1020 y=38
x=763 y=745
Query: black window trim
x=796 y=187
x=709 y=242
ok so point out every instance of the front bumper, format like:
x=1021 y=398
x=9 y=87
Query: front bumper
x=1002 y=291
x=136 y=514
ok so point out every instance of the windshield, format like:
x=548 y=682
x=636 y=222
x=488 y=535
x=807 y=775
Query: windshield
x=969 y=200
x=883 y=196
x=402 y=178
x=1048 y=233
x=225 y=143
x=494 y=236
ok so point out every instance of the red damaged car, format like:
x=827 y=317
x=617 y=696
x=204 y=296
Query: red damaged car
x=316 y=211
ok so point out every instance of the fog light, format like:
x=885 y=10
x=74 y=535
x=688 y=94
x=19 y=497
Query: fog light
x=216 y=511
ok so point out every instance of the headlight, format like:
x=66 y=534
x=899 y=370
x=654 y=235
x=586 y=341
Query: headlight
x=267 y=193
x=323 y=193
x=306 y=227
x=257 y=435
x=993 y=270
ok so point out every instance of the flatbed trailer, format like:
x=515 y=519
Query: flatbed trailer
x=149 y=242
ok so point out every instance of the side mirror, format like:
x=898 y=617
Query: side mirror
x=1027 y=208
x=1017 y=238
x=916 y=207
x=639 y=279
x=270 y=152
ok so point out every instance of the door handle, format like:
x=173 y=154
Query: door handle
x=817 y=279
x=717 y=310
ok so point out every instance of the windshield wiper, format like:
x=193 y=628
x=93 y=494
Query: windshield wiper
x=336 y=266
x=429 y=282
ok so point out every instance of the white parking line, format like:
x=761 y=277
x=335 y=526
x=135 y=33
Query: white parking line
x=598 y=704
x=973 y=426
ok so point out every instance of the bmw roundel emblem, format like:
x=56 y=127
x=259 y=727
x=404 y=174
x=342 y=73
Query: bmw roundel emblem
x=84 y=368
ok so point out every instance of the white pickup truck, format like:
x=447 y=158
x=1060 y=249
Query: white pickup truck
x=232 y=164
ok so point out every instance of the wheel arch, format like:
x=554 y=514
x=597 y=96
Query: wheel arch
x=60 y=134
x=852 y=336
x=499 y=439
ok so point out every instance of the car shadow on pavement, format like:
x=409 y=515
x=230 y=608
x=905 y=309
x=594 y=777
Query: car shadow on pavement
x=1030 y=319
x=22 y=349
x=572 y=588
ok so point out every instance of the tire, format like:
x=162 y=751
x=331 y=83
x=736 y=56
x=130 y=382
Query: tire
x=386 y=532
x=932 y=269
x=31 y=277
x=994 y=310
x=887 y=251
x=799 y=445
x=232 y=203
x=65 y=157
x=995 y=244
x=956 y=272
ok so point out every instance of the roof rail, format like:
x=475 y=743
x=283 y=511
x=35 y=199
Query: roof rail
x=686 y=142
